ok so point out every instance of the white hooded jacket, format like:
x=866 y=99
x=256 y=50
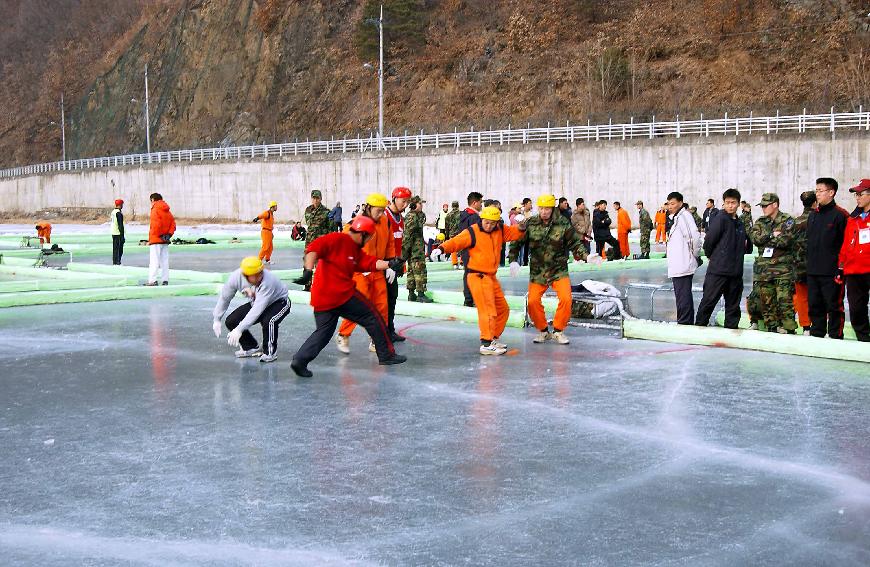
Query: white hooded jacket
x=684 y=245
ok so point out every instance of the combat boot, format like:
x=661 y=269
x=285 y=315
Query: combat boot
x=411 y=295
x=423 y=298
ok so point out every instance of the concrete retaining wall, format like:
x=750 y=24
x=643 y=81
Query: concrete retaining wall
x=614 y=170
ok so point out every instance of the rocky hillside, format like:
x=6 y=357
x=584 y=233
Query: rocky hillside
x=242 y=71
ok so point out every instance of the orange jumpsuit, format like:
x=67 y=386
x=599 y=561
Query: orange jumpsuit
x=801 y=303
x=661 y=222
x=267 y=224
x=43 y=231
x=623 y=227
x=373 y=285
x=484 y=255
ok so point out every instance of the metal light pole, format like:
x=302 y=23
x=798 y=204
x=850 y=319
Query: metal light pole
x=62 y=128
x=147 y=119
x=380 y=23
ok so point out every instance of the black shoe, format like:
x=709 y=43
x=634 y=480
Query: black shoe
x=150 y=284
x=307 y=288
x=301 y=371
x=468 y=303
x=165 y=283
x=412 y=296
x=395 y=359
x=396 y=337
x=423 y=298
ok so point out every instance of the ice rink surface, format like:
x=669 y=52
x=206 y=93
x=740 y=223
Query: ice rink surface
x=132 y=436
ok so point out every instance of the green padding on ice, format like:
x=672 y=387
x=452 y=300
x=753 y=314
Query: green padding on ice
x=142 y=273
x=18 y=259
x=428 y=310
x=51 y=274
x=573 y=267
x=104 y=294
x=848 y=331
x=747 y=340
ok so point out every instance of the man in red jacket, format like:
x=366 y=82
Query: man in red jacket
x=855 y=261
x=159 y=234
x=337 y=256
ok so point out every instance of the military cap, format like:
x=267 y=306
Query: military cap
x=767 y=199
x=455 y=204
x=416 y=199
x=316 y=193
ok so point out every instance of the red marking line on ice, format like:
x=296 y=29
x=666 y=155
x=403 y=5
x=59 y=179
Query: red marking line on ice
x=418 y=341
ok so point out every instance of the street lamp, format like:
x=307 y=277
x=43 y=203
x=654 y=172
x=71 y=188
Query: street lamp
x=380 y=23
x=62 y=128
x=147 y=119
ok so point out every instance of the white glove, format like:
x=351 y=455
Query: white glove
x=515 y=269
x=594 y=259
x=390 y=274
x=249 y=292
x=519 y=217
x=216 y=327
x=435 y=254
x=234 y=337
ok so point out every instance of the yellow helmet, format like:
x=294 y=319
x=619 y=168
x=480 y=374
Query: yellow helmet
x=273 y=204
x=440 y=237
x=251 y=265
x=490 y=213
x=377 y=200
x=546 y=201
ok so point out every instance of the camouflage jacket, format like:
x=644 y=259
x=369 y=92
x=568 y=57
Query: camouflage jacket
x=318 y=223
x=645 y=223
x=452 y=224
x=549 y=245
x=413 y=246
x=800 y=245
x=780 y=250
x=746 y=217
x=699 y=222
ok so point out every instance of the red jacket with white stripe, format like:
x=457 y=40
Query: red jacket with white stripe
x=855 y=252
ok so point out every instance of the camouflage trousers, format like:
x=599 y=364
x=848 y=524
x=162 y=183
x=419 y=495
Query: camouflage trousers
x=644 y=243
x=416 y=275
x=753 y=305
x=582 y=309
x=776 y=299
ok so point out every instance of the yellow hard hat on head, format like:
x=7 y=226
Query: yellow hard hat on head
x=490 y=213
x=377 y=200
x=440 y=237
x=273 y=204
x=547 y=201
x=251 y=265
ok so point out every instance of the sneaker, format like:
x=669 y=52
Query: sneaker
x=150 y=284
x=372 y=347
x=781 y=331
x=498 y=344
x=300 y=370
x=396 y=337
x=412 y=296
x=242 y=353
x=269 y=357
x=806 y=333
x=753 y=326
x=423 y=298
x=342 y=344
x=395 y=359
x=542 y=337
x=456 y=267
x=491 y=350
x=559 y=337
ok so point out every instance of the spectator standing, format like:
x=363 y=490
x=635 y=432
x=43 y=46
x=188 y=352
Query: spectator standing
x=709 y=212
x=855 y=261
x=808 y=199
x=826 y=226
x=684 y=246
x=582 y=222
x=161 y=229
x=773 y=273
x=117 y=219
x=601 y=230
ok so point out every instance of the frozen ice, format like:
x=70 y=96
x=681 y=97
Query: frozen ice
x=169 y=451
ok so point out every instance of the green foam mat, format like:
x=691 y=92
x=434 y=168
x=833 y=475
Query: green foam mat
x=104 y=294
x=747 y=340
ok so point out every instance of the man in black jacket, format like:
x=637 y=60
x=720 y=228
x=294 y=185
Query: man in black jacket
x=467 y=218
x=825 y=229
x=710 y=212
x=601 y=230
x=725 y=244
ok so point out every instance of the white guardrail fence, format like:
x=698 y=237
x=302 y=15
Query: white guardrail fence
x=569 y=133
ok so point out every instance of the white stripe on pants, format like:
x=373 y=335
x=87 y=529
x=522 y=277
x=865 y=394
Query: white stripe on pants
x=159 y=261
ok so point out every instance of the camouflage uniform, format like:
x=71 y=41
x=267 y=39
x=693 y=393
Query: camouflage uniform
x=549 y=246
x=414 y=249
x=800 y=245
x=316 y=221
x=452 y=222
x=646 y=226
x=773 y=277
x=699 y=222
x=746 y=218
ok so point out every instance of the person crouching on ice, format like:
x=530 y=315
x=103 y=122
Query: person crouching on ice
x=484 y=241
x=550 y=237
x=337 y=257
x=267 y=305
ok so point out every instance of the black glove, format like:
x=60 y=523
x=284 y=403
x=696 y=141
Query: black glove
x=166 y=238
x=305 y=278
x=397 y=265
x=400 y=270
x=256 y=219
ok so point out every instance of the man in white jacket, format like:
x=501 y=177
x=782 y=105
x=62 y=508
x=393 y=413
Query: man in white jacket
x=684 y=249
x=267 y=305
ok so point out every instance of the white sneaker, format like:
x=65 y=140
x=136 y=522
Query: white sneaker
x=560 y=338
x=269 y=357
x=542 y=337
x=372 y=347
x=242 y=353
x=806 y=333
x=498 y=344
x=753 y=327
x=343 y=344
x=491 y=350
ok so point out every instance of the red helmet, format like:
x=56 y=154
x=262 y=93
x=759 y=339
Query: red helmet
x=362 y=223
x=401 y=193
x=119 y=202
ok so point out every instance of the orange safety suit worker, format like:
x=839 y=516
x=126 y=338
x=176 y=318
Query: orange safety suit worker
x=800 y=299
x=484 y=257
x=43 y=231
x=267 y=224
x=373 y=285
x=623 y=227
x=661 y=221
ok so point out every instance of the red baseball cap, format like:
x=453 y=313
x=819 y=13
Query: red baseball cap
x=861 y=187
